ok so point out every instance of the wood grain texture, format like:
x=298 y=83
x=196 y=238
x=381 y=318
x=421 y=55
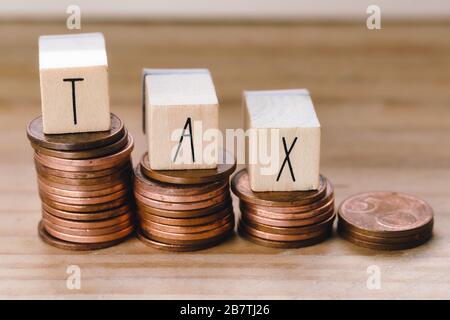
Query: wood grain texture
x=74 y=83
x=181 y=107
x=284 y=140
x=383 y=102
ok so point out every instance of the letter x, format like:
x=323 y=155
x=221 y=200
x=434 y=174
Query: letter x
x=287 y=159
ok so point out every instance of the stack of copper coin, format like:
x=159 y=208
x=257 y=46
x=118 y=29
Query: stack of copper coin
x=84 y=182
x=385 y=220
x=284 y=219
x=184 y=210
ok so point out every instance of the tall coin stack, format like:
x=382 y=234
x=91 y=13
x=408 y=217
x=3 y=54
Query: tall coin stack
x=385 y=220
x=84 y=182
x=184 y=210
x=284 y=219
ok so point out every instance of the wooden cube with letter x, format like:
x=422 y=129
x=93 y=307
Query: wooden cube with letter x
x=284 y=140
x=74 y=83
x=180 y=107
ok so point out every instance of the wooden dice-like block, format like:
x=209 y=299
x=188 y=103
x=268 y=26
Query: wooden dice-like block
x=180 y=106
x=284 y=140
x=74 y=83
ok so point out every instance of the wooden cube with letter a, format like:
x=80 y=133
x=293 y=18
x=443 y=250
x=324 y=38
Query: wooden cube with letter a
x=180 y=105
x=74 y=83
x=284 y=140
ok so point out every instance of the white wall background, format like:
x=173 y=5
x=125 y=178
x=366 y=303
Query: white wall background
x=225 y=9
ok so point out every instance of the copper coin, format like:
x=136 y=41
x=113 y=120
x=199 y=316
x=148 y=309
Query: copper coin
x=87 y=200
x=383 y=246
x=425 y=228
x=175 y=190
x=387 y=240
x=80 y=174
x=65 y=245
x=92 y=208
x=74 y=141
x=188 y=238
x=223 y=235
x=124 y=180
x=124 y=166
x=264 y=214
x=178 y=247
x=88 y=232
x=90 y=216
x=89 y=239
x=224 y=189
x=222 y=172
x=289 y=230
x=294 y=212
x=85 y=154
x=120 y=175
x=86 y=225
x=186 y=221
x=176 y=193
x=267 y=213
x=119 y=171
x=115 y=163
x=240 y=185
x=282 y=237
x=385 y=213
x=180 y=205
x=285 y=244
x=256 y=219
x=182 y=214
x=95 y=164
x=80 y=194
x=150 y=225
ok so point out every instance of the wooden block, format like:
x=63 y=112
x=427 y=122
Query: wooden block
x=180 y=106
x=288 y=120
x=74 y=83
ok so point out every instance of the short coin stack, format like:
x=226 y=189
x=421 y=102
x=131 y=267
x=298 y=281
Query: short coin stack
x=385 y=220
x=183 y=210
x=288 y=219
x=84 y=182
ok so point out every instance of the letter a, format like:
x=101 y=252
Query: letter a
x=187 y=124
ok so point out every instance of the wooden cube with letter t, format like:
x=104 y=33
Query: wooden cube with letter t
x=284 y=140
x=74 y=83
x=180 y=106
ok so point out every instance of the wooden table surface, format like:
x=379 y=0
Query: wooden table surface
x=383 y=100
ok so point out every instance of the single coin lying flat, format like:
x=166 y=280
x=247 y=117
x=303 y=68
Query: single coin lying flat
x=385 y=220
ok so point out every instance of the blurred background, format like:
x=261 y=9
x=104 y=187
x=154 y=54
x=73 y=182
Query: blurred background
x=358 y=77
x=226 y=9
